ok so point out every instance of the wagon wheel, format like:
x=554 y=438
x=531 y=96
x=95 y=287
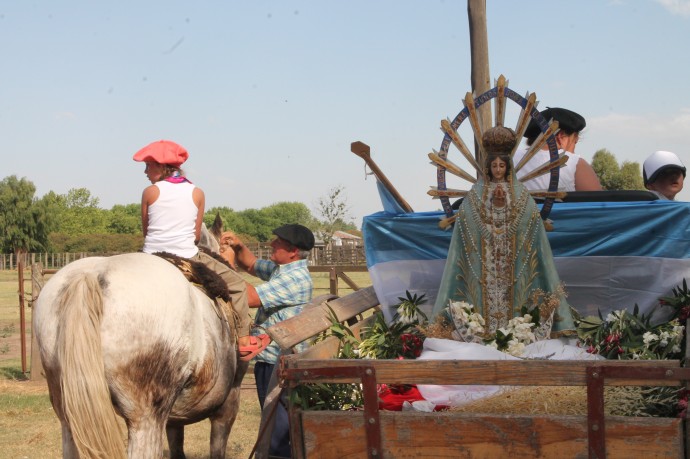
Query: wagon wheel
x=499 y=93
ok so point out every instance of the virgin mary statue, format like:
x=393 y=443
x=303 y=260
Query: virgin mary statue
x=500 y=260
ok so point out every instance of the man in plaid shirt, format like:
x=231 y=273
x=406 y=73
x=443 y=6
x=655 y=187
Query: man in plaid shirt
x=287 y=289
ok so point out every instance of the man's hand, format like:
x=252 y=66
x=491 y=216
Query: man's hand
x=229 y=243
x=229 y=239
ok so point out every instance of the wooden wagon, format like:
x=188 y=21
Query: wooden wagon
x=372 y=433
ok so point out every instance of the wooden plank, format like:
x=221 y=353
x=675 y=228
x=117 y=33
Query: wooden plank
x=338 y=268
x=328 y=434
x=314 y=320
x=327 y=348
x=483 y=372
x=349 y=281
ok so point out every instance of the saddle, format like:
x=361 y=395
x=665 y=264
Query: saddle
x=206 y=280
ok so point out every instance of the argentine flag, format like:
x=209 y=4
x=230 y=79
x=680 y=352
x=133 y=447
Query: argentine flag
x=609 y=255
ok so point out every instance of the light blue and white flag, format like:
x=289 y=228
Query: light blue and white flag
x=609 y=255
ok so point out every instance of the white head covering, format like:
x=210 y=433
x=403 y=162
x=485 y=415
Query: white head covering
x=658 y=162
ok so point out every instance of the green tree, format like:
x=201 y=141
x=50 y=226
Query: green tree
x=334 y=213
x=81 y=214
x=25 y=221
x=606 y=167
x=124 y=219
x=290 y=212
x=613 y=177
x=631 y=176
x=258 y=224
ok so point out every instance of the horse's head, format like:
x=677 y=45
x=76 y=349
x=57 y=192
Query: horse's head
x=210 y=238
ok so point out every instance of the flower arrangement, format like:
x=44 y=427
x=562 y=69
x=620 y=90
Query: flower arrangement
x=631 y=336
x=623 y=335
x=398 y=340
x=619 y=335
x=533 y=324
x=470 y=328
x=402 y=338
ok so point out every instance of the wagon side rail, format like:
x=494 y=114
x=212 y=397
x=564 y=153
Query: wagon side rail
x=483 y=435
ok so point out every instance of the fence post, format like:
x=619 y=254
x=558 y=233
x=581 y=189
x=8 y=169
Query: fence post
x=21 y=260
x=37 y=281
x=333 y=280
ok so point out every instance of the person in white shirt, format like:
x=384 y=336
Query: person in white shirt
x=172 y=211
x=663 y=173
x=577 y=174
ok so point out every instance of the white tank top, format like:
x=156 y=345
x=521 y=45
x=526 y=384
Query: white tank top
x=566 y=176
x=172 y=219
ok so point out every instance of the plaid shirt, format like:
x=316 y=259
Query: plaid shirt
x=288 y=288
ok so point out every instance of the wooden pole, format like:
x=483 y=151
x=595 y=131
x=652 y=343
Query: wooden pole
x=22 y=318
x=362 y=150
x=479 y=52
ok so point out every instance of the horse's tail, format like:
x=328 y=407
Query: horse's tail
x=86 y=399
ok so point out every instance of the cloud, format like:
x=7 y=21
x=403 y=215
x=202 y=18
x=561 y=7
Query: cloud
x=64 y=116
x=658 y=126
x=680 y=7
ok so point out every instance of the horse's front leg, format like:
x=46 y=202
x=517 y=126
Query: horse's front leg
x=69 y=448
x=176 y=441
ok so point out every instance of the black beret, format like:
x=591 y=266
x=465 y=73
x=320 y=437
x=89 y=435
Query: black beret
x=567 y=120
x=297 y=235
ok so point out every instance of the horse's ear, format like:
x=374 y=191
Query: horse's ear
x=217 y=228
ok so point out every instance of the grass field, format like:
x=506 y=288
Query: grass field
x=28 y=426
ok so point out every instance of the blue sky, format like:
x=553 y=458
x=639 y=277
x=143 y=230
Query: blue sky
x=268 y=95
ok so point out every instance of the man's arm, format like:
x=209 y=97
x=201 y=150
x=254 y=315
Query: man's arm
x=244 y=258
x=252 y=297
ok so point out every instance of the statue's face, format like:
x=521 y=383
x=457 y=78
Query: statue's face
x=498 y=169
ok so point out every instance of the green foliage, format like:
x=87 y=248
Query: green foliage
x=631 y=176
x=124 y=219
x=332 y=396
x=624 y=336
x=96 y=243
x=81 y=214
x=679 y=301
x=258 y=224
x=613 y=177
x=383 y=340
x=25 y=221
x=290 y=212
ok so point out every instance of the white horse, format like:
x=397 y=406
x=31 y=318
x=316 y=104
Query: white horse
x=128 y=334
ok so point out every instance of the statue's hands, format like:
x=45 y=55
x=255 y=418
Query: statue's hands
x=499 y=197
